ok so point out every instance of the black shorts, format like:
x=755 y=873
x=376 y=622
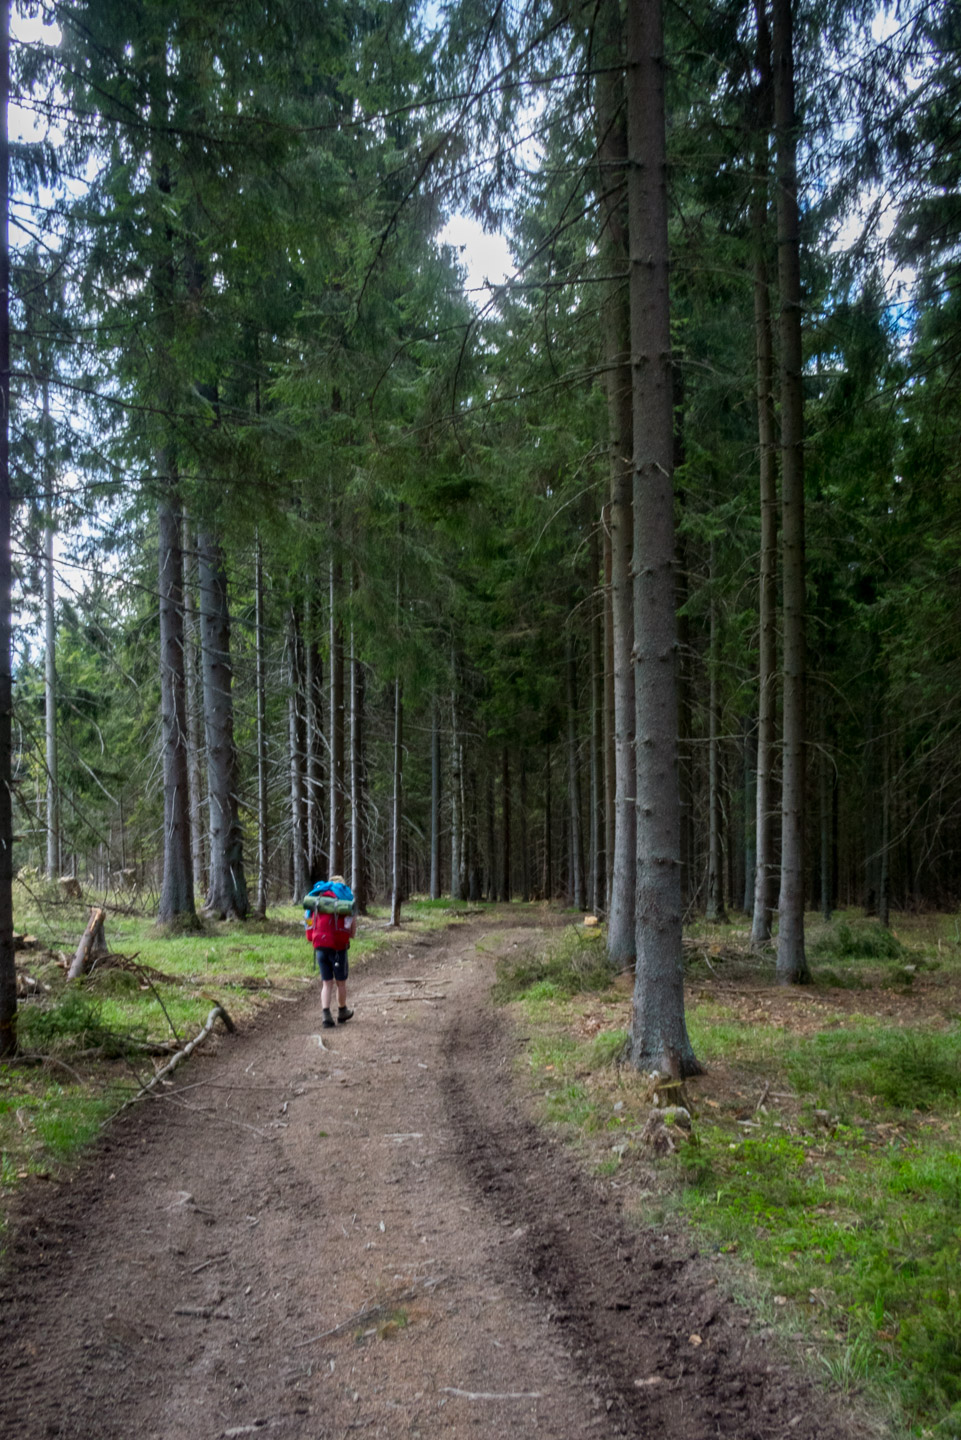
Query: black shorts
x=332 y=964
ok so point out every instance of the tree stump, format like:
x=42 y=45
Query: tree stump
x=93 y=946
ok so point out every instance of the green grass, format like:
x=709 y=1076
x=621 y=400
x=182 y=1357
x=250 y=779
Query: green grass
x=841 y=1192
x=571 y=963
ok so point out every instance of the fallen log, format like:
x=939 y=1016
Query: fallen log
x=93 y=946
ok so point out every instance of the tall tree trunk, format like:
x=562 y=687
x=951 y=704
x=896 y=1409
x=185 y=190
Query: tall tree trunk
x=8 y=969
x=767 y=585
x=358 y=781
x=457 y=876
x=612 y=157
x=50 y=656
x=336 y=738
x=525 y=855
x=598 y=896
x=884 y=886
x=177 y=891
x=658 y=1038
x=825 y=789
x=610 y=761
x=435 y=794
x=574 y=783
x=396 y=882
x=792 y=966
x=715 y=911
x=491 y=840
x=263 y=812
x=506 y=886
x=194 y=710
x=295 y=730
x=317 y=867
x=227 y=890
x=749 y=771
x=548 y=829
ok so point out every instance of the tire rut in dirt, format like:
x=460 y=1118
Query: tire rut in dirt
x=643 y=1321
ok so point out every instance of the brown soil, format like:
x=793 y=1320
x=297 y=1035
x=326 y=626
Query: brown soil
x=369 y=1234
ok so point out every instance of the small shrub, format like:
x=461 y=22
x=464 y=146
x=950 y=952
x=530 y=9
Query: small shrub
x=847 y=941
x=571 y=965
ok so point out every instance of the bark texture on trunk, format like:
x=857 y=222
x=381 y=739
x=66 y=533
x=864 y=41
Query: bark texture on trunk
x=317 y=868
x=295 y=733
x=8 y=969
x=358 y=782
x=612 y=159
x=177 y=905
x=658 y=1038
x=336 y=738
x=574 y=784
x=227 y=888
x=50 y=674
x=195 y=778
x=263 y=811
x=792 y=966
x=435 y=792
x=396 y=869
x=764 y=878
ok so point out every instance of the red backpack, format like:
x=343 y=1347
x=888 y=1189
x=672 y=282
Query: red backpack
x=331 y=932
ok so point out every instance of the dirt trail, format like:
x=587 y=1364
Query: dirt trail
x=370 y=1236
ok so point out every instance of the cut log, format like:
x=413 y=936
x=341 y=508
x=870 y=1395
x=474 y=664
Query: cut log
x=93 y=946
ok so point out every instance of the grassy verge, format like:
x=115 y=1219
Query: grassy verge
x=90 y=1045
x=826 y=1158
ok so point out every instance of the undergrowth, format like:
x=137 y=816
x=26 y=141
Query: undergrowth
x=827 y=1151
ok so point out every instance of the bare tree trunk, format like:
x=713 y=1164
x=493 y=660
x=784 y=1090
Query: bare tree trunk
x=715 y=911
x=298 y=809
x=177 y=892
x=456 y=809
x=767 y=588
x=317 y=867
x=884 y=887
x=227 y=890
x=358 y=782
x=525 y=856
x=598 y=896
x=194 y=709
x=574 y=782
x=548 y=830
x=792 y=968
x=262 y=799
x=612 y=157
x=658 y=1038
x=337 y=833
x=506 y=866
x=435 y=799
x=610 y=761
x=8 y=969
x=825 y=827
x=396 y=884
x=50 y=657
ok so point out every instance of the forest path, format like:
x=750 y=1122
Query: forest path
x=369 y=1236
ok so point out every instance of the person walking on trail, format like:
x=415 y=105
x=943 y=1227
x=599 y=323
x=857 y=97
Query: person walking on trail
x=331 y=922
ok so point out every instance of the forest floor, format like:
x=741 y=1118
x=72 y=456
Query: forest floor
x=312 y=1233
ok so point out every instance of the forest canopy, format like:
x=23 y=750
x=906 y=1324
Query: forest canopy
x=629 y=583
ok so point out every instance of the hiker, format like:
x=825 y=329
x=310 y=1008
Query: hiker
x=331 y=923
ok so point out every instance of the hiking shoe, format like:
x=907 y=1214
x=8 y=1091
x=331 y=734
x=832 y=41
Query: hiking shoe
x=328 y=1021
x=343 y=1015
